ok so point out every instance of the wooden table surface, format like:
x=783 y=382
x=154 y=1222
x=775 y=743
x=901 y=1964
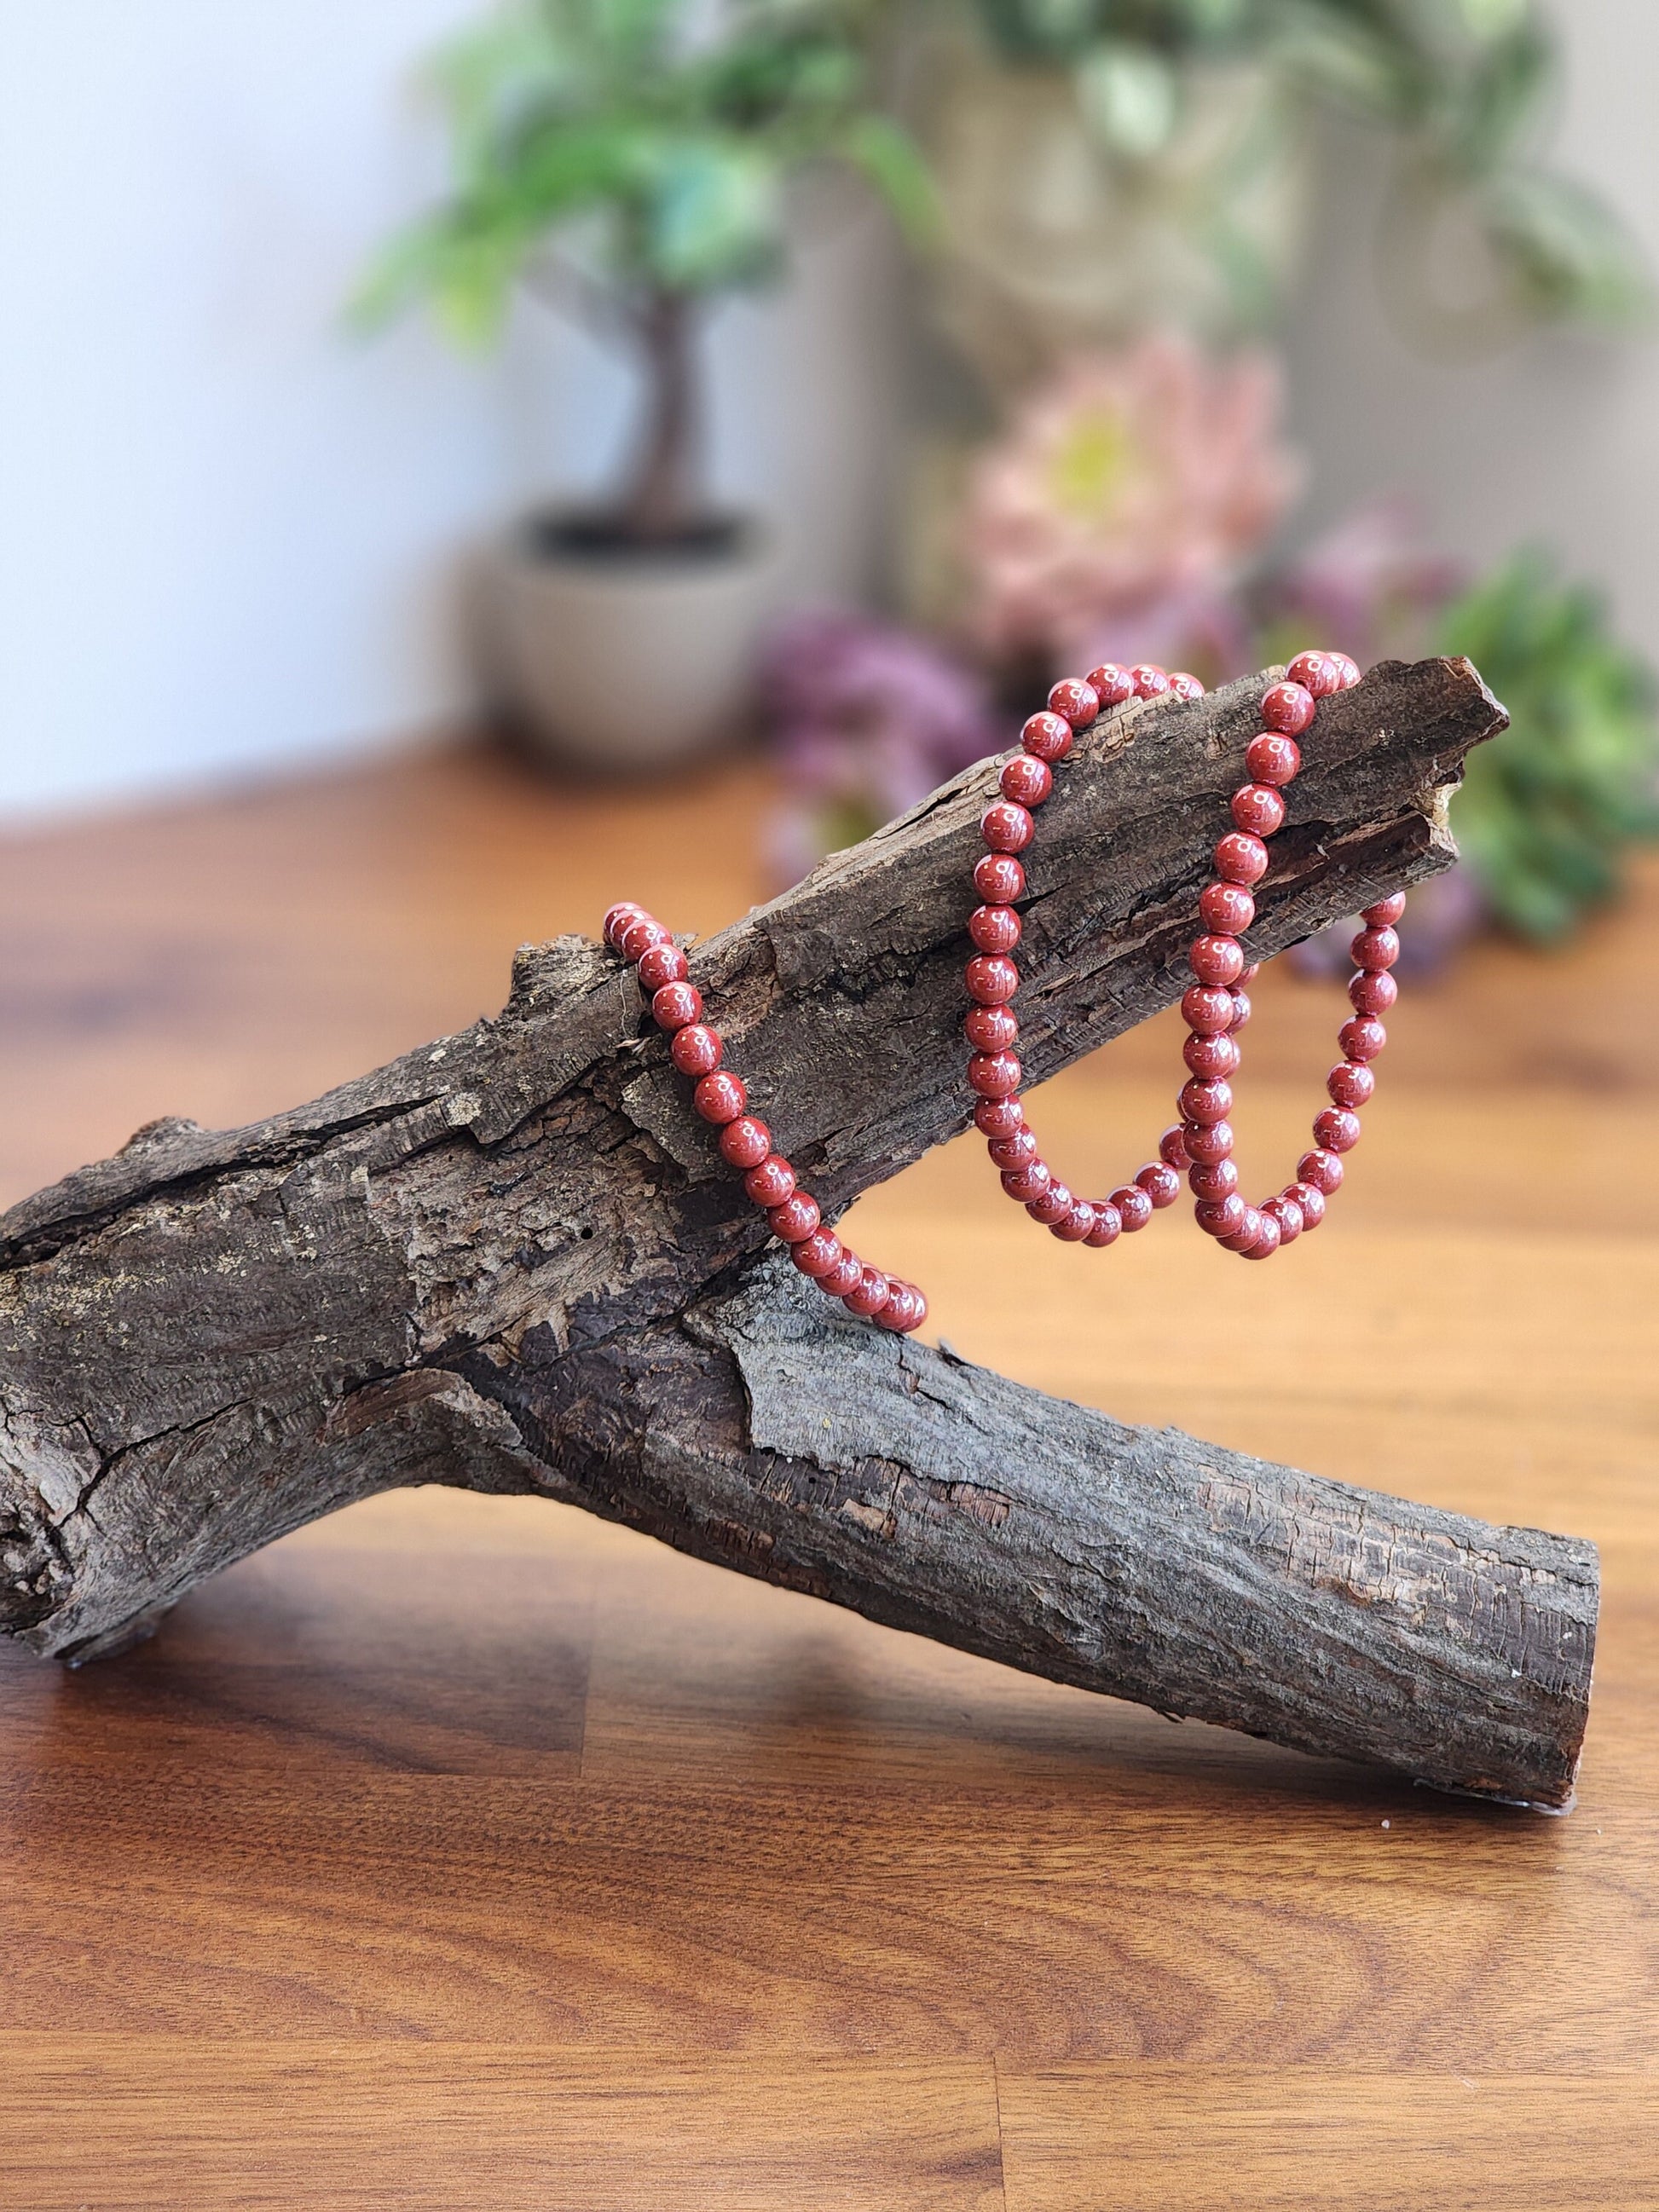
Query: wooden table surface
x=640 y=1886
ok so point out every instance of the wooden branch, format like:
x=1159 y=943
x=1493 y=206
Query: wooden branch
x=512 y=1260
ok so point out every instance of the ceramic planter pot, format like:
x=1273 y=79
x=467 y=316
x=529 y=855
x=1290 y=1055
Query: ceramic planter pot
x=617 y=660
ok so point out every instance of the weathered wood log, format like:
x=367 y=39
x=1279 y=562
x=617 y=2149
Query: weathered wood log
x=512 y=1261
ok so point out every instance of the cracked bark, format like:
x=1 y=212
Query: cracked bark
x=512 y=1261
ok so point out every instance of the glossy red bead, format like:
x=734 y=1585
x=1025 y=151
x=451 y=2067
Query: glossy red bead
x=999 y=1117
x=844 y=1276
x=663 y=963
x=870 y=1295
x=1172 y=1149
x=1151 y=682
x=1055 y=1203
x=998 y=878
x=1207 y=1010
x=1240 y=857
x=1024 y=1184
x=1207 y=1143
x=617 y=918
x=745 y=1142
x=1226 y=907
x=815 y=1255
x=1267 y=1237
x=1335 y=1129
x=1185 y=686
x=795 y=1219
x=1205 y=1103
x=1272 y=759
x=1316 y=672
x=1246 y=1232
x=1287 y=709
x=677 y=1005
x=1026 y=779
x=1216 y=959
x=1258 y=808
x=1374 y=950
x=989 y=1029
x=1046 y=737
x=696 y=1051
x=1308 y=1202
x=905 y=1308
x=1350 y=1083
x=1110 y=685
x=1005 y=827
x=1322 y=1171
x=1008 y=1154
x=994 y=1074
x=1074 y=702
x=1134 y=1206
x=1361 y=1038
x=994 y=928
x=1240 y=1006
x=720 y=1097
x=1372 y=993
x=641 y=935
x=1385 y=912
x=1220 y=1217
x=992 y=979
x=771 y=1182
x=1160 y=1182
x=1209 y=1057
x=1218 y=1180
x=1287 y=1214
x=1076 y=1224
x=1346 y=668
x=1108 y=1226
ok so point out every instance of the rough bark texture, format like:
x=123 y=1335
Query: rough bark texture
x=512 y=1260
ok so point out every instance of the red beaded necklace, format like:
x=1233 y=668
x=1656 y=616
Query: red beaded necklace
x=1215 y=1007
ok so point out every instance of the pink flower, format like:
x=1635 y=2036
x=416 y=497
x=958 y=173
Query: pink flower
x=1129 y=493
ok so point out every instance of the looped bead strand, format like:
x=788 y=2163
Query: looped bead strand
x=697 y=1050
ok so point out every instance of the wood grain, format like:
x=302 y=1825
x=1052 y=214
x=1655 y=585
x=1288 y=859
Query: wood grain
x=649 y=1887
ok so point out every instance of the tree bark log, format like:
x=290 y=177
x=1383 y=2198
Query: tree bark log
x=512 y=1260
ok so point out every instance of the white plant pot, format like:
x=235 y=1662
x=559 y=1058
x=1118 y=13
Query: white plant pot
x=620 y=662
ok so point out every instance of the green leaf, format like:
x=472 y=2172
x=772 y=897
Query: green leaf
x=888 y=158
x=1128 y=95
x=1571 y=253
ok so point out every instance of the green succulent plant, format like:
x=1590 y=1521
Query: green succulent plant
x=1546 y=812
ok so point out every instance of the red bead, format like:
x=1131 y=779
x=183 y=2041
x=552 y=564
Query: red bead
x=1005 y=827
x=1185 y=686
x=1026 y=778
x=1287 y=709
x=663 y=963
x=772 y=1181
x=1032 y=1182
x=1010 y=1153
x=1160 y=1182
x=1267 y=1237
x=844 y=1276
x=1151 y=682
x=1374 y=950
x=1361 y=1038
x=677 y=1005
x=1220 y=1217
x=990 y=1029
x=1209 y=1057
x=1248 y=974
x=639 y=936
x=1205 y=1103
x=720 y=1097
x=1108 y=1227
x=1346 y=668
x=994 y=1074
x=1272 y=759
x=1216 y=959
x=994 y=928
x=1207 y=1010
x=1055 y=1203
x=1322 y=1169
x=815 y=1255
x=1217 y=1180
x=999 y=1117
x=1076 y=1225
x=1207 y=1143
x=1246 y=1233
x=696 y=1051
x=1287 y=1214
x=871 y=1295
x=1134 y=1207
x=795 y=1219
x=1371 y=993
x=905 y=1310
x=1046 y=737
x=1258 y=807
x=992 y=979
x=1226 y=907
x=1241 y=1012
x=1350 y=1083
x=1308 y=1202
x=1172 y=1149
x=998 y=878
x=745 y=1142
x=1241 y=858
x=617 y=918
x=1111 y=684
x=1385 y=912
x=1075 y=702
x=1335 y=1129
x=1316 y=672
